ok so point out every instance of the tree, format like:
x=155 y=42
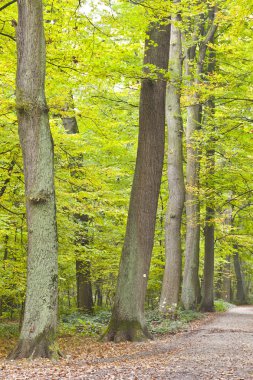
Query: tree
x=173 y=251
x=191 y=287
x=207 y=301
x=127 y=321
x=83 y=283
x=40 y=316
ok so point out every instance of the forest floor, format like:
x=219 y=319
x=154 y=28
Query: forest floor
x=218 y=347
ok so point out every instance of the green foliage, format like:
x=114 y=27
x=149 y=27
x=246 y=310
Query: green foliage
x=94 y=69
x=84 y=324
x=9 y=330
x=222 y=306
x=159 y=323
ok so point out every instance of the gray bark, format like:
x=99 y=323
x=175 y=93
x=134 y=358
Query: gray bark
x=127 y=322
x=173 y=258
x=240 y=287
x=83 y=283
x=191 y=287
x=226 y=272
x=207 y=302
x=40 y=316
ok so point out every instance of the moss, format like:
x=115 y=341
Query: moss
x=41 y=346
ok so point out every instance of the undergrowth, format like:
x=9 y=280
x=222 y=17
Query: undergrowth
x=94 y=325
x=222 y=306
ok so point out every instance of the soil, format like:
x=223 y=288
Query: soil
x=220 y=347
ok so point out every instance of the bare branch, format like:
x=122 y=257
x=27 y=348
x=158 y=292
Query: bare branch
x=8 y=35
x=7 y=5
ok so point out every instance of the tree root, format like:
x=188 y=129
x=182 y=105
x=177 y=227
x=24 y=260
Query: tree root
x=122 y=331
x=35 y=348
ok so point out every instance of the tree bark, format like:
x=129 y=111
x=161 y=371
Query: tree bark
x=240 y=289
x=207 y=302
x=127 y=321
x=173 y=251
x=40 y=318
x=83 y=271
x=191 y=288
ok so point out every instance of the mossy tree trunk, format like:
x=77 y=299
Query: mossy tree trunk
x=40 y=317
x=127 y=321
x=172 y=274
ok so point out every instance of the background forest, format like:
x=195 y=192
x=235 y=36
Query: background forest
x=94 y=73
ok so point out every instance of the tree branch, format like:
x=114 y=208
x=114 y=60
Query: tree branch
x=8 y=35
x=7 y=5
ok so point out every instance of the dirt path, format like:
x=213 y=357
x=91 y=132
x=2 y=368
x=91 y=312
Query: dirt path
x=220 y=349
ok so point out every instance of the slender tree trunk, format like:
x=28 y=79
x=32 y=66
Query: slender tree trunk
x=207 y=302
x=172 y=274
x=191 y=287
x=226 y=271
x=226 y=284
x=240 y=289
x=84 y=288
x=127 y=321
x=40 y=317
x=83 y=267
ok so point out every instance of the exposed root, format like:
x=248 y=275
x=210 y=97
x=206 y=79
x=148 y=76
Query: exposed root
x=121 y=331
x=35 y=348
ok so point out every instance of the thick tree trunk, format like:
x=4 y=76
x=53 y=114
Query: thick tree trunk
x=83 y=283
x=240 y=289
x=127 y=321
x=173 y=260
x=40 y=317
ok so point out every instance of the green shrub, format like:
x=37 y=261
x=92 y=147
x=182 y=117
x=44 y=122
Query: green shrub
x=9 y=330
x=84 y=324
x=221 y=305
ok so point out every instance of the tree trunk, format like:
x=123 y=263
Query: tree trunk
x=207 y=302
x=191 y=288
x=40 y=317
x=226 y=285
x=84 y=288
x=127 y=321
x=172 y=273
x=240 y=290
x=83 y=282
